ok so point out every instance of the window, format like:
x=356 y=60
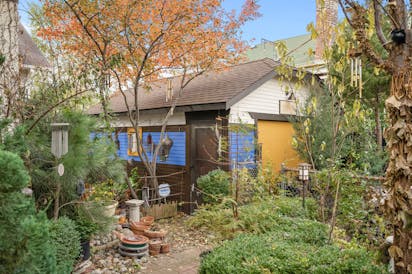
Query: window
x=132 y=149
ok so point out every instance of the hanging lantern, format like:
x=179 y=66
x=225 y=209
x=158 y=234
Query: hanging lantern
x=356 y=70
x=166 y=146
x=169 y=90
x=60 y=139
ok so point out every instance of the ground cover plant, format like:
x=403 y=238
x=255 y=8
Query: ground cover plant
x=277 y=235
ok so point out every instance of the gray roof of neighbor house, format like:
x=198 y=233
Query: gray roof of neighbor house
x=226 y=86
x=30 y=53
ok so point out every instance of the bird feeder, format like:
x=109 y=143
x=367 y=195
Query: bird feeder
x=60 y=139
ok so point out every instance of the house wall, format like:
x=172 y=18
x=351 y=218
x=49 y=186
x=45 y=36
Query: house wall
x=276 y=140
x=275 y=137
x=265 y=99
x=242 y=147
x=150 y=119
x=177 y=155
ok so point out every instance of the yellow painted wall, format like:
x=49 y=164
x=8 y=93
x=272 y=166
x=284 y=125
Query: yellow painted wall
x=276 y=140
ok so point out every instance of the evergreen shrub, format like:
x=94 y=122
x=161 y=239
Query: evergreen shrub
x=66 y=239
x=215 y=185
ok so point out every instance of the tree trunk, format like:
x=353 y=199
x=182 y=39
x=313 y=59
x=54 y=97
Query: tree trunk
x=57 y=201
x=398 y=203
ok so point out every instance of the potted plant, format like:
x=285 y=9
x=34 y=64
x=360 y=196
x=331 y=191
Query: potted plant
x=104 y=193
x=90 y=220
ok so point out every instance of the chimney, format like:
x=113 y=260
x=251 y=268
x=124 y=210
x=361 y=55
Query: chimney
x=326 y=20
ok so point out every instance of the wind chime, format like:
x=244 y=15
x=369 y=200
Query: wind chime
x=356 y=70
x=169 y=90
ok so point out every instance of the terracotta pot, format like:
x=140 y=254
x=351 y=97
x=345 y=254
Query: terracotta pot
x=165 y=248
x=138 y=226
x=136 y=240
x=153 y=252
x=147 y=220
x=155 y=234
x=155 y=245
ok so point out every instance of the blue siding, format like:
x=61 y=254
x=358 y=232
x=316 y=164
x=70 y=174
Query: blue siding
x=242 y=148
x=177 y=155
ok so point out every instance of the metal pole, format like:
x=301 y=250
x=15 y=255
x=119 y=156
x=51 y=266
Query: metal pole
x=303 y=193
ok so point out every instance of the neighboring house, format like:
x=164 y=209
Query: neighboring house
x=19 y=57
x=209 y=114
x=299 y=47
x=30 y=56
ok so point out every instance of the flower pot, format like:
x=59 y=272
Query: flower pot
x=110 y=208
x=155 y=245
x=154 y=252
x=138 y=228
x=155 y=234
x=85 y=250
x=165 y=248
x=147 y=220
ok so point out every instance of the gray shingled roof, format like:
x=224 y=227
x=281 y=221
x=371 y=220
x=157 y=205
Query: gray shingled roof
x=214 y=87
x=28 y=50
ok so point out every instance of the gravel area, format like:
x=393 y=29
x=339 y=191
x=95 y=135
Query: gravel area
x=106 y=259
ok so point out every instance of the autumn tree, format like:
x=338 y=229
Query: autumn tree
x=132 y=43
x=366 y=18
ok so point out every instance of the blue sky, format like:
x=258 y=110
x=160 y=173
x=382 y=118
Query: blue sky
x=280 y=19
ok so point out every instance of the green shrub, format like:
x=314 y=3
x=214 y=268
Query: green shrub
x=261 y=216
x=13 y=176
x=215 y=184
x=270 y=253
x=66 y=239
x=25 y=245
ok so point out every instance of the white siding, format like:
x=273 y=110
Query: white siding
x=146 y=120
x=265 y=99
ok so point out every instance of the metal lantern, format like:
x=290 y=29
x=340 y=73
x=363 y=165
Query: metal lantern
x=304 y=177
x=60 y=139
x=304 y=171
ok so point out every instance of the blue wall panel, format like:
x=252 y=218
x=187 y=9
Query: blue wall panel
x=242 y=148
x=177 y=154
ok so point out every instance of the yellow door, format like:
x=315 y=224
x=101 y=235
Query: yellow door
x=276 y=140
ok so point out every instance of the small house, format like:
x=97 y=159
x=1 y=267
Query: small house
x=236 y=117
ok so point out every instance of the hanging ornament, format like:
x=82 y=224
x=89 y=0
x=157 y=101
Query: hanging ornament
x=356 y=70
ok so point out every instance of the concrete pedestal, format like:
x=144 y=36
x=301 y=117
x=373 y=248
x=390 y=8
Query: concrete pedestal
x=134 y=209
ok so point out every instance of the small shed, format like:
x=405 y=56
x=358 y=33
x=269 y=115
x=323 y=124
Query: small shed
x=232 y=118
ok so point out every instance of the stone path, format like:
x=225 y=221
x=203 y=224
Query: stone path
x=181 y=262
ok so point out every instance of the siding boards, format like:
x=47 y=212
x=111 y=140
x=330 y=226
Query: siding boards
x=264 y=99
x=177 y=155
x=242 y=148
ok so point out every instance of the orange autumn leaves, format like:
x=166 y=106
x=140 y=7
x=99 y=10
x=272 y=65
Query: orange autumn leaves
x=143 y=38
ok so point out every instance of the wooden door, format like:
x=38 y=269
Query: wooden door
x=206 y=156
